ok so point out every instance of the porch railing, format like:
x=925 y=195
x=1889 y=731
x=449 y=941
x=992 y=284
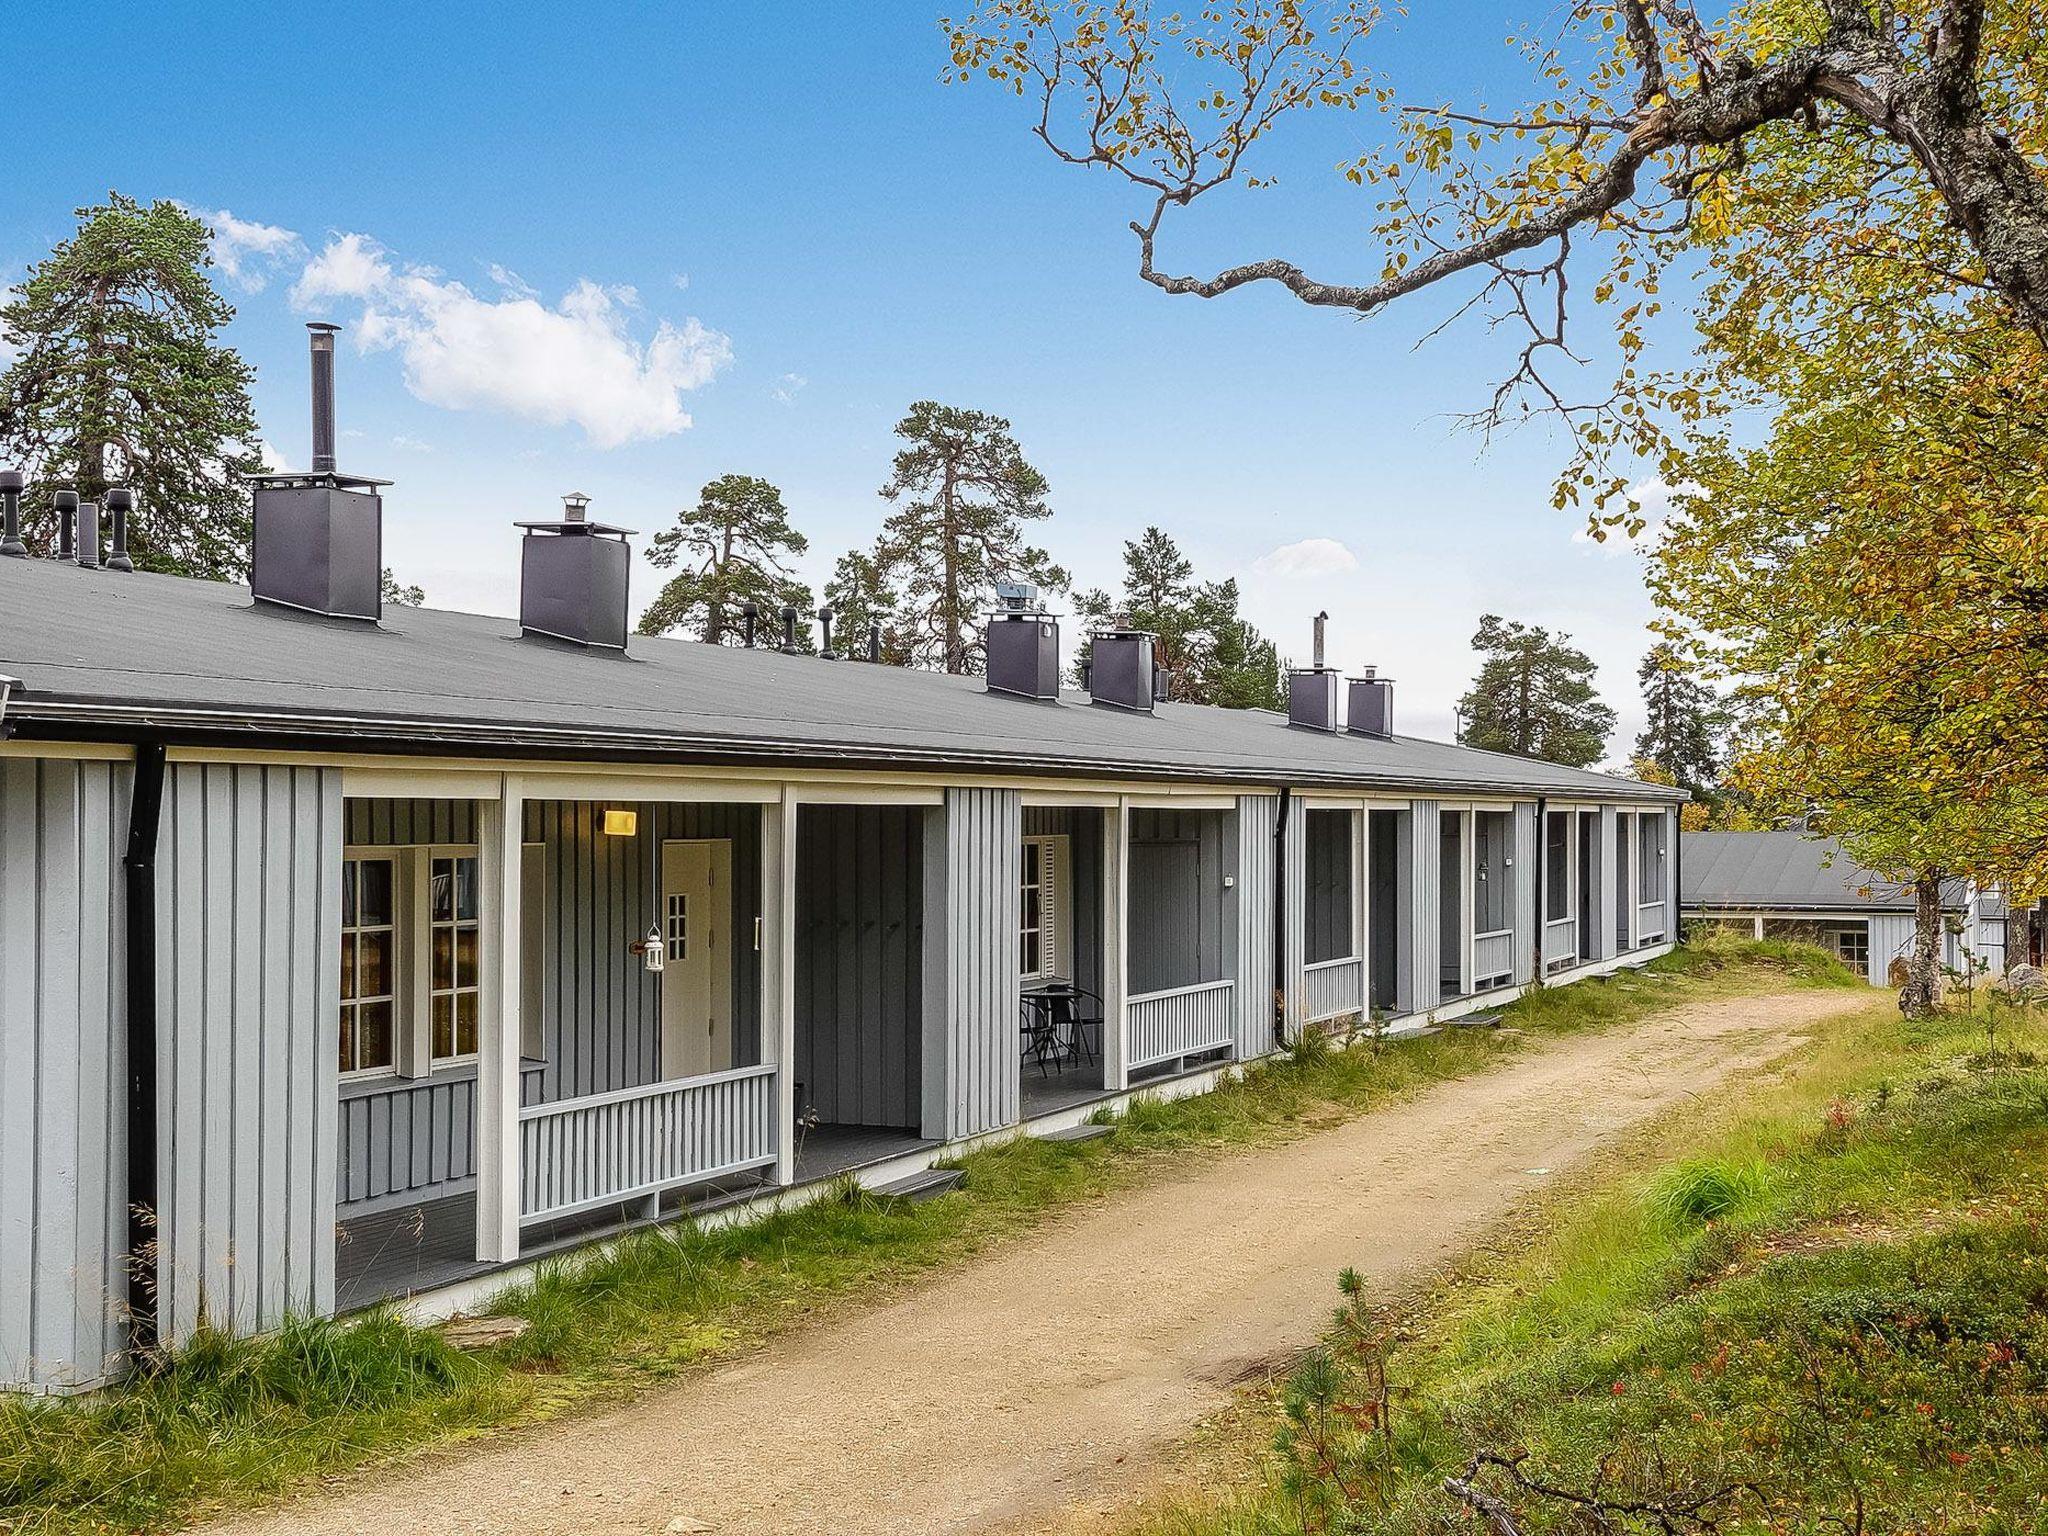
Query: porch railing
x=635 y=1142
x=1650 y=922
x=1335 y=988
x=1560 y=942
x=1181 y=1021
x=1493 y=956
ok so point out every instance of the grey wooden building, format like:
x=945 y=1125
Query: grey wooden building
x=350 y=953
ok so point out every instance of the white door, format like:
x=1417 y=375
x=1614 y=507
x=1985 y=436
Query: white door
x=696 y=972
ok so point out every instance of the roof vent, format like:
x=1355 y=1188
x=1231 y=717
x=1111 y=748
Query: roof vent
x=572 y=578
x=66 y=503
x=319 y=535
x=11 y=484
x=1371 y=706
x=1023 y=644
x=1121 y=670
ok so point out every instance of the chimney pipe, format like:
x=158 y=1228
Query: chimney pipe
x=825 y=632
x=874 y=640
x=66 y=503
x=11 y=483
x=750 y=613
x=321 y=335
x=89 y=535
x=120 y=502
x=1322 y=619
x=789 y=628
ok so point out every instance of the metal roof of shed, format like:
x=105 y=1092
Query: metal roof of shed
x=1786 y=871
x=102 y=654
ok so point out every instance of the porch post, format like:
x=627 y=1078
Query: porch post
x=1468 y=885
x=1116 y=885
x=498 y=1033
x=777 y=960
x=1361 y=905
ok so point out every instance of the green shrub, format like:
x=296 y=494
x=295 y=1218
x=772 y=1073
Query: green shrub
x=1692 y=1193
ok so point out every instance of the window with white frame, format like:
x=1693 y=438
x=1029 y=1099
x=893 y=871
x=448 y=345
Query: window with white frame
x=1043 y=922
x=369 y=966
x=411 y=972
x=452 y=944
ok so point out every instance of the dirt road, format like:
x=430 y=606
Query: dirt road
x=1052 y=1374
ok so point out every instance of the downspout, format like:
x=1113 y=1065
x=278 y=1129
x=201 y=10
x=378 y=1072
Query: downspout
x=1677 y=934
x=138 y=868
x=1539 y=920
x=1280 y=919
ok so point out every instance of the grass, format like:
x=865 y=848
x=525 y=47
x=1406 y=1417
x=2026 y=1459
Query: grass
x=226 y=1420
x=1818 y=1302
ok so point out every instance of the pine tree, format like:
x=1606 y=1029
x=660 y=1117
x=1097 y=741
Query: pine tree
x=731 y=546
x=1685 y=721
x=120 y=381
x=1533 y=696
x=963 y=492
x=1212 y=654
x=860 y=593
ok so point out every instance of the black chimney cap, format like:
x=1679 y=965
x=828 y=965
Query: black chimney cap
x=12 y=480
x=120 y=499
x=64 y=501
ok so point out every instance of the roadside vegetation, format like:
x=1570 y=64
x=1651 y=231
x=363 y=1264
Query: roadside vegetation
x=225 y=1420
x=1818 y=1303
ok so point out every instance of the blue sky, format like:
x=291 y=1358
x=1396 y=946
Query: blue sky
x=569 y=234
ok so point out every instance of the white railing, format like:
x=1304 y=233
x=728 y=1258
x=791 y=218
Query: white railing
x=608 y=1147
x=1650 y=922
x=1334 y=988
x=1179 y=1022
x=1560 y=942
x=1493 y=956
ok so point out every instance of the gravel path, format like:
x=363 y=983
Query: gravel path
x=1051 y=1377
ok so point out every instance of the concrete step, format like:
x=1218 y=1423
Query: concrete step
x=1089 y=1132
x=919 y=1186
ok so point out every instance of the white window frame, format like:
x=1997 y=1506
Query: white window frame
x=396 y=960
x=1055 y=910
x=423 y=954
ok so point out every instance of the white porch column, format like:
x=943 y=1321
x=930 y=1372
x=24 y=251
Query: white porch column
x=1116 y=887
x=777 y=959
x=501 y=967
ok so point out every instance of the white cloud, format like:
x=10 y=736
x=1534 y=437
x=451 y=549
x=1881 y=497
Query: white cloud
x=411 y=444
x=506 y=278
x=248 y=252
x=1306 y=557
x=273 y=461
x=681 y=279
x=573 y=363
x=787 y=387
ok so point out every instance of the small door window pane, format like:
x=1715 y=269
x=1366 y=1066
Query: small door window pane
x=374 y=900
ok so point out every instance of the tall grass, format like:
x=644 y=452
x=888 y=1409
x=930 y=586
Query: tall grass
x=227 y=1419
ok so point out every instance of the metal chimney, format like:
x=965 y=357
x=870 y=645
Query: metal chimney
x=789 y=628
x=750 y=613
x=120 y=502
x=825 y=650
x=1312 y=698
x=874 y=640
x=66 y=503
x=573 y=577
x=12 y=483
x=1371 y=710
x=1120 y=669
x=1322 y=621
x=89 y=535
x=321 y=335
x=318 y=543
x=1022 y=644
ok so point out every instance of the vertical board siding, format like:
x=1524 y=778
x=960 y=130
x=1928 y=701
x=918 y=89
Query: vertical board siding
x=1525 y=914
x=63 y=1064
x=249 y=925
x=382 y=823
x=1610 y=894
x=1256 y=908
x=859 y=930
x=1891 y=938
x=1426 y=877
x=1293 y=898
x=974 y=917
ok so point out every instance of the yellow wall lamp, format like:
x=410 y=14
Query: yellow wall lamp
x=621 y=823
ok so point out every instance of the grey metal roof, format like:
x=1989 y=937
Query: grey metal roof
x=109 y=654
x=1785 y=871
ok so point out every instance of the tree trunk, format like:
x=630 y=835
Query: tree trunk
x=1923 y=967
x=949 y=598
